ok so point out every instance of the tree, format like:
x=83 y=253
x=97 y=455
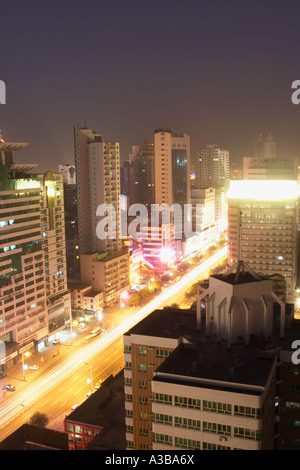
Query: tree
x=192 y=291
x=39 y=419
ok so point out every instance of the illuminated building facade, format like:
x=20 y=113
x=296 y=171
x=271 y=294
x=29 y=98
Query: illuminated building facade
x=160 y=249
x=262 y=226
x=33 y=281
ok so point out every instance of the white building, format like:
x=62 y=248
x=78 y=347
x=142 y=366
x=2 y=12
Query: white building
x=98 y=185
x=69 y=173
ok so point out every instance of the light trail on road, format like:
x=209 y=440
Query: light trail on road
x=33 y=392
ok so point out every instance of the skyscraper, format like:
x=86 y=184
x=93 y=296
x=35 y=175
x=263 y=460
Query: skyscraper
x=172 y=175
x=98 y=184
x=172 y=167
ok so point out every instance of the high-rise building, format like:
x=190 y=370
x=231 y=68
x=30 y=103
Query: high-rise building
x=262 y=226
x=172 y=177
x=212 y=167
x=172 y=167
x=98 y=184
x=33 y=278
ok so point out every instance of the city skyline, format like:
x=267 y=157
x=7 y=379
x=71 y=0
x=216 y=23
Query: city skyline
x=220 y=72
x=149 y=260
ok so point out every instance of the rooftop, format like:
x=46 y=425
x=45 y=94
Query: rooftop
x=93 y=293
x=239 y=273
x=210 y=360
x=28 y=437
x=167 y=323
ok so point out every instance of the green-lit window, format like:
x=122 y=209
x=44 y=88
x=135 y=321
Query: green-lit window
x=209 y=427
x=162 y=439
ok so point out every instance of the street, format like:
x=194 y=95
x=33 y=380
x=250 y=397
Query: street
x=62 y=382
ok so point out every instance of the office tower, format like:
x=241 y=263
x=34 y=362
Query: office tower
x=103 y=261
x=210 y=379
x=212 y=167
x=34 y=298
x=144 y=174
x=262 y=226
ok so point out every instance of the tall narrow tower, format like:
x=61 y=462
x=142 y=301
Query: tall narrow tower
x=98 y=182
x=103 y=262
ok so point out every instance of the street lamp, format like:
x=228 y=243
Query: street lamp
x=26 y=407
x=24 y=366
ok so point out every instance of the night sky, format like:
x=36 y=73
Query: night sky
x=221 y=71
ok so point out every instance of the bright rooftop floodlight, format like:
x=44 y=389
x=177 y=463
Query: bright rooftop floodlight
x=263 y=190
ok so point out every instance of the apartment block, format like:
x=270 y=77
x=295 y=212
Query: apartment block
x=107 y=273
x=84 y=299
x=212 y=167
x=98 y=182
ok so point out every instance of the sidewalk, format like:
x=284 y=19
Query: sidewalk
x=43 y=358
